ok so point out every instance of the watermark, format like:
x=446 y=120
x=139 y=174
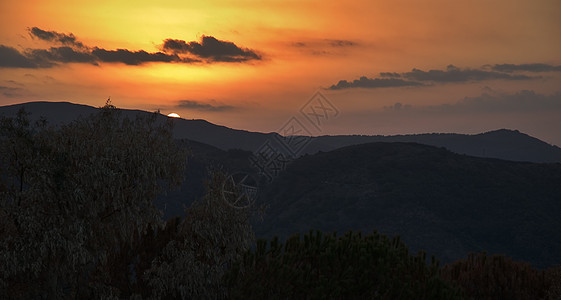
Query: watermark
x=239 y=190
x=318 y=109
x=294 y=136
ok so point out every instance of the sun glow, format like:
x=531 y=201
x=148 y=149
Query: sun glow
x=174 y=115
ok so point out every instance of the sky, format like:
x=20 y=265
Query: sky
x=323 y=67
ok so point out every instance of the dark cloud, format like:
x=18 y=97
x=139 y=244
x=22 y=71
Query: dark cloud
x=324 y=43
x=365 y=82
x=10 y=92
x=454 y=74
x=526 y=67
x=12 y=58
x=196 y=105
x=390 y=74
x=212 y=49
x=49 y=57
x=340 y=43
x=417 y=77
x=132 y=57
x=73 y=51
x=53 y=36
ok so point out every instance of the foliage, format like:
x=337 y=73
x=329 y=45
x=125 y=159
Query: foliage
x=70 y=196
x=321 y=267
x=212 y=236
x=497 y=277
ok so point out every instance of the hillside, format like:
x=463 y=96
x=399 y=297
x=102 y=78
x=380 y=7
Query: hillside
x=503 y=144
x=445 y=203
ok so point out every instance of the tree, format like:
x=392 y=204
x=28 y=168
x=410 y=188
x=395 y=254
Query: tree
x=351 y=266
x=483 y=276
x=212 y=237
x=69 y=196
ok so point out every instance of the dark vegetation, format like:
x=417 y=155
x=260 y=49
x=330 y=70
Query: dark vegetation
x=78 y=219
x=331 y=267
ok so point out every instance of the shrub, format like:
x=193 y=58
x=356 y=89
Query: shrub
x=350 y=266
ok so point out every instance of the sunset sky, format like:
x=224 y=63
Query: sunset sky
x=386 y=67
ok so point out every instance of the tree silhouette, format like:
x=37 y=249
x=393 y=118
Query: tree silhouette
x=70 y=195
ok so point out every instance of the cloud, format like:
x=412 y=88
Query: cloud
x=454 y=74
x=53 y=36
x=212 y=49
x=12 y=58
x=208 y=50
x=340 y=43
x=418 y=77
x=323 y=47
x=132 y=57
x=365 y=82
x=47 y=58
x=390 y=74
x=10 y=92
x=522 y=101
x=196 y=105
x=526 y=67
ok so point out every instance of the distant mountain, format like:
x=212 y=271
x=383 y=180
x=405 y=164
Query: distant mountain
x=503 y=144
x=445 y=203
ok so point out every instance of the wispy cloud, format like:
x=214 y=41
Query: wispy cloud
x=320 y=47
x=417 y=77
x=527 y=67
x=522 y=101
x=455 y=74
x=364 y=82
x=201 y=106
x=53 y=36
x=10 y=92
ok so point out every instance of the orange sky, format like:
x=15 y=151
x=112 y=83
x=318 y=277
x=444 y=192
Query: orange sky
x=288 y=50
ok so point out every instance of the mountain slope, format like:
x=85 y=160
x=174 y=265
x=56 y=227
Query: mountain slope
x=503 y=144
x=444 y=203
x=195 y=130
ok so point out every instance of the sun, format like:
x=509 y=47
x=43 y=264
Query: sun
x=174 y=115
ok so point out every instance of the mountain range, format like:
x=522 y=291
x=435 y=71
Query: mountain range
x=447 y=194
x=503 y=143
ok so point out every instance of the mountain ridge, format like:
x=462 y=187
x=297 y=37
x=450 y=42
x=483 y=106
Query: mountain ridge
x=502 y=143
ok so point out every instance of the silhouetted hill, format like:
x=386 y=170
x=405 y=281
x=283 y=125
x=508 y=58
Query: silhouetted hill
x=503 y=144
x=195 y=130
x=445 y=203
